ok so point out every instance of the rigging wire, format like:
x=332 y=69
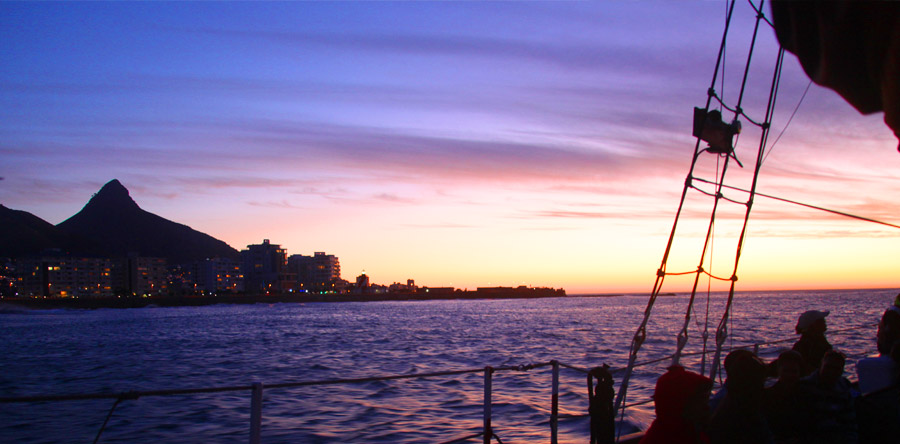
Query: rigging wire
x=724 y=323
x=708 y=296
x=683 y=334
x=641 y=334
x=760 y=14
x=724 y=53
x=814 y=207
x=771 y=147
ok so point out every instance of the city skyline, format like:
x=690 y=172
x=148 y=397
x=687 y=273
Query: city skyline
x=463 y=144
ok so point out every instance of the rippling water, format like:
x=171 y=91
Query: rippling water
x=86 y=351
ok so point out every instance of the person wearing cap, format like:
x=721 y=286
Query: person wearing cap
x=681 y=400
x=812 y=344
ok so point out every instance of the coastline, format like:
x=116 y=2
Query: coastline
x=194 y=301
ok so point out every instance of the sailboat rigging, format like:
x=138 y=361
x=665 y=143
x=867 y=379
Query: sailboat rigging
x=720 y=145
x=802 y=28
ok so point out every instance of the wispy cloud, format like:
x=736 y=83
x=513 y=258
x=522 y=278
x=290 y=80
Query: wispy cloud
x=583 y=54
x=275 y=204
x=393 y=198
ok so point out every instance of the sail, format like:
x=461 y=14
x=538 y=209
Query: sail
x=852 y=47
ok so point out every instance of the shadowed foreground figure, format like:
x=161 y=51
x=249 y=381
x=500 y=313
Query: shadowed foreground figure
x=730 y=360
x=739 y=417
x=881 y=372
x=600 y=398
x=781 y=401
x=682 y=408
x=878 y=410
x=812 y=344
x=826 y=400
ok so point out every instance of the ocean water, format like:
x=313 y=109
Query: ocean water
x=53 y=352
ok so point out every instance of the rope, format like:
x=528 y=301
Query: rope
x=732 y=278
x=722 y=330
x=705 y=334
x=737 y=110
x=723 y=54
x=108 y=415
x=572 y=367
x=788 y=122
x=682 y=336
x=747 y=66
x=831 y=332
x=698 y=353
x=759 y=13
x=814 y=207
x=716 y=195
x=681 y=273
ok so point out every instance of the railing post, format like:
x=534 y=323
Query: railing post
x=488 y=433
x=256 y=413
x=554 y=406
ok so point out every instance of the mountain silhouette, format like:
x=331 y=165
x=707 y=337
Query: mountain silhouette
x=115 y=223
x=23 y=233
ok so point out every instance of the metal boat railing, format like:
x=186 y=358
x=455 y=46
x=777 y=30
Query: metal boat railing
x=257 y=388
x=486 y=433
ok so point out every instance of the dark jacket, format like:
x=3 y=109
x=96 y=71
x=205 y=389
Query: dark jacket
x=812 y=348
x=828 y=413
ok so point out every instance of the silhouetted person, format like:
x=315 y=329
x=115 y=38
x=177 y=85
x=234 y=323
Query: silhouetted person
x=682 y=408
x=600 y=406
x=828 y=411
x=739 y=418
x=878 y=410
x=781 y=402
x=881 y=371
x=812 y=344
x=730 y=360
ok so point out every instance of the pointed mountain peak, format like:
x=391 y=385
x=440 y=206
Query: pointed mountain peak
x=114 y=186
x=113 y=194
x=118 y=226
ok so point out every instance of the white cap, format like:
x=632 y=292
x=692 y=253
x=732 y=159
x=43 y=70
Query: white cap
x=809 y=318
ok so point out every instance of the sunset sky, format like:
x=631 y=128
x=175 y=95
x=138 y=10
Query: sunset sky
x=455 y=143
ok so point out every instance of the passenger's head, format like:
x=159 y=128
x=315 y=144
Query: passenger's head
x=682 y=394
x=790 y=363
x=746 y=376
x=889 y=329
x=832 y=367
x=812 y=322
x=733 y=357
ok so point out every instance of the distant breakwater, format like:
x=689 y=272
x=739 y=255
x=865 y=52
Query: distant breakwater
x=194 y=301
